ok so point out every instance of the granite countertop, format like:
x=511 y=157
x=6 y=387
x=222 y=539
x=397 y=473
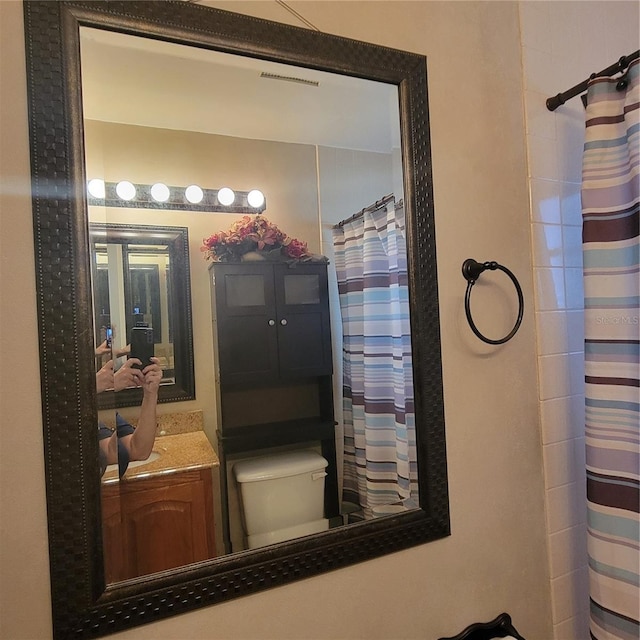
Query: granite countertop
x=179 y=452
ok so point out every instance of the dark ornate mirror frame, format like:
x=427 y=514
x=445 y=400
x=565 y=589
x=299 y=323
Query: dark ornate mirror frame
x=82 y=605
x=177 y=241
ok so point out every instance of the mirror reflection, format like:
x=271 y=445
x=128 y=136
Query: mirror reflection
x=141 y=301
x=303 y=415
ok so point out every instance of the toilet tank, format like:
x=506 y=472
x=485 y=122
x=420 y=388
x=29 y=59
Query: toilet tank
x=281 y=490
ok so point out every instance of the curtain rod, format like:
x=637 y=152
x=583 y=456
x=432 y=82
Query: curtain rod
x=558 y=100
x=372 y=207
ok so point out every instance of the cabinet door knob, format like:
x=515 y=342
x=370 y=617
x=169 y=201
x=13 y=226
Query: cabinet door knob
x=283 y=322
x=271 y=323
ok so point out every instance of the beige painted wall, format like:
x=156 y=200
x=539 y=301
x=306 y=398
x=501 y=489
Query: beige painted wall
x=495 y=559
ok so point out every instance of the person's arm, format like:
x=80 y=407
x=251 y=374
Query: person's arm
x=103 y=349
x=104 y=377
x=125 y=351
x=140 y=442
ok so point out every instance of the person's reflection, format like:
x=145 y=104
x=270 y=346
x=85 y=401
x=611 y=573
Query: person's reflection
x=128 y=443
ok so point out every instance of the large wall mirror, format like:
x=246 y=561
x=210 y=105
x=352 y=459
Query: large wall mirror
x=298 y=342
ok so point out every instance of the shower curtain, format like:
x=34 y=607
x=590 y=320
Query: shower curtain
x=610 y=204
x=379 y=440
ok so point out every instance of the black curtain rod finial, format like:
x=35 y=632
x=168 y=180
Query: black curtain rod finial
x=555 y=102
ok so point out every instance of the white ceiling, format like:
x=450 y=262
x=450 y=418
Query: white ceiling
x=153 y=83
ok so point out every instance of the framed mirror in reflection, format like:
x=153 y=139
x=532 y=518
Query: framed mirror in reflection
x=314 y=341
x=142 y=294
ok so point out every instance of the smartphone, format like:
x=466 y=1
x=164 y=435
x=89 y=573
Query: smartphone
x=109 y=337
x=142 y=345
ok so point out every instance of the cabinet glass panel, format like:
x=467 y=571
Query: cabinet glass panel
x=302 y=289
x=245 y=290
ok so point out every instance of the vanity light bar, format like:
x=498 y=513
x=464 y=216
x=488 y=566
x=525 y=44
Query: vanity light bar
x=160 y=196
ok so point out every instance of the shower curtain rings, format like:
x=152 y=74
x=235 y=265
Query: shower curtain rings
x=471 y=271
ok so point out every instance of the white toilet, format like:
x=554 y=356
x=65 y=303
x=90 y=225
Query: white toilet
x=282 y=496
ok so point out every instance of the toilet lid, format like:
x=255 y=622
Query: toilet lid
x=279 y=465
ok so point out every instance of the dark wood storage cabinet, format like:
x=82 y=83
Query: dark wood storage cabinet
x=272 y=321
x=157 y=523
x=272 y=340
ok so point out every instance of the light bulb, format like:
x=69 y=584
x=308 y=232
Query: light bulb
x=226 y=196
x=96 y=188
x=126 y=190
x=160 y=192
x=194 y=194
x=255 y=198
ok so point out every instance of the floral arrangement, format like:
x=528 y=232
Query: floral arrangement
x=253 y=237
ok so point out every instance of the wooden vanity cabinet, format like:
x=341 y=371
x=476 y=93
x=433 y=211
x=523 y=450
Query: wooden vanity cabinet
x=157 y=523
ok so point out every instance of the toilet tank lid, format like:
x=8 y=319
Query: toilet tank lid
x=279 y=465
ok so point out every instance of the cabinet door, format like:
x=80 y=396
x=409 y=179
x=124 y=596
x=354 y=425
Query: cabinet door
x=166 y=527
x=247 y=322
x=304 y=333
x=114 y=548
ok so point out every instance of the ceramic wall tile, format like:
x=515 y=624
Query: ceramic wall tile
x=574 y=628
x=538 y=121
x=564 y=507
x=555 y=416
x=567 y=550
x=543 y=158
x=576 y=373
x=545 y=201
x=559 y=463
x=549 y=289
x=538 y=67
x=572 y=246
x=576 y=415
x=574 y=288
x=571 y=203
x=547 y=245
x=575 y=330
x=568 y=596
x=551 y=329
x=554 y=376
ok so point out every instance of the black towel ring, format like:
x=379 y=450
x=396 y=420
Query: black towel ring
x=471 y=271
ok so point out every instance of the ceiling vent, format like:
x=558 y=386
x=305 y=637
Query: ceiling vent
x=276 y=76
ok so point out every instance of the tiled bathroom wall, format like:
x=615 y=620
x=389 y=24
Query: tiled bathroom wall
x=562 y=44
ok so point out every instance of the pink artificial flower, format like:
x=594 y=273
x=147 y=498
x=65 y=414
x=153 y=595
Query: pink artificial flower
x=296 y=249
x=231 y=245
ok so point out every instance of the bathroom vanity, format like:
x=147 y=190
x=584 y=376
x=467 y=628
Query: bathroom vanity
x=173 y=495
x=272 y=339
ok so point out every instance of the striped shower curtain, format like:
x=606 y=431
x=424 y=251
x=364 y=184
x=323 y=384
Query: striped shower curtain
x=610 y=203
x=379 y=416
